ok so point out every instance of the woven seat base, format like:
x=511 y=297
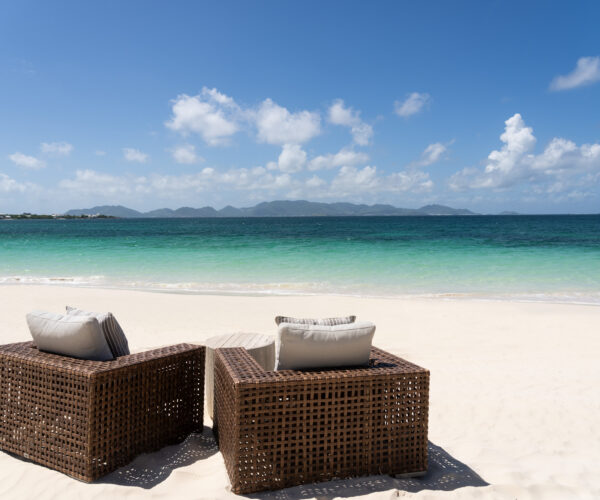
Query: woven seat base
x=285 y=428
x=87 y=418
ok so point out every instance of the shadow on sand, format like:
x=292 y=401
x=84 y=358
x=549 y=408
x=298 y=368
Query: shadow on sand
x=445 y=473
x=148 y=470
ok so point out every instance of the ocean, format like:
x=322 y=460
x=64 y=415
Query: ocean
x=550 y=258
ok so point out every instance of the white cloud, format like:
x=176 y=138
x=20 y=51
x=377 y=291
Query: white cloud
x=503 y=166
x=414 y=103
x=99 y=152
x=349 y=180
x=9 y=185
x=354 y=181
x=431 y=154
x=132 y=154
x=25 y=161
x=218 y=97
x=340 y=115
x=563 y=157
x=257 y=183
x=113 y=188
x=559 y=167
x=216 y=117
x=344 y=157
x=56 y=148
x=186 y=154
x=414 y=181
x=107 y=187
x=464 y=179
x=210 y=114
x=283 y=180
x=292 y=158
x=89 y=182
x=586 y=72
x=172 y=186
x=347 y=117
x=315 y=182
x=276 y=125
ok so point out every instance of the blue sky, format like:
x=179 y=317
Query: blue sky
x=486 y=105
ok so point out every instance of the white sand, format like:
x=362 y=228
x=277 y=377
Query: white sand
x=515 y=397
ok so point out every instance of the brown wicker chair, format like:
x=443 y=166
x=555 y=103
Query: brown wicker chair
x=279 y=429
x=87 y=418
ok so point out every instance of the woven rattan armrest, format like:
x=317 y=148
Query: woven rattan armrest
x=27 y=351
x=242 y=368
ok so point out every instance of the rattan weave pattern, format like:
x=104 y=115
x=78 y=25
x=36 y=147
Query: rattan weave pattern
x=284 y=428
x=87 y=418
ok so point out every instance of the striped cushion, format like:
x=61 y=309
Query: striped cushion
x=344 y=320
x=115 y=337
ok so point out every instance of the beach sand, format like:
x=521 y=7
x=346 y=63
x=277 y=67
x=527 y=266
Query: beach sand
x=514 y=400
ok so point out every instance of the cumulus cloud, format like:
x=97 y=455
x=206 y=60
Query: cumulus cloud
x=344 y=157
x=215 y=117
x=27 y=162
x=109 y=187
x=503 y=166
x=413 y=104
x=172 y=186
x=276 y=125
x=561 y=165
x=292 y=158
x=355 y=181
x=185 y=154
x=256 y=183
x=113 y=188
x=315 y=182
x=432 y=154
x=56 y=148
x=347 y=117
x=89 y=182
x=350 y=179
x=586 y=72
x=563 y=156
x=414 y=181
x=9 y=185
x=210 y=114
x=135 y=155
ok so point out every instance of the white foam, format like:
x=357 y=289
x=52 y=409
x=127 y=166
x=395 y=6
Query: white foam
x=51 y=280
x=301 y=288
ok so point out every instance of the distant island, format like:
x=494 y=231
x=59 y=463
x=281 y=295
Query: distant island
x=27 y=215
x=299 y=208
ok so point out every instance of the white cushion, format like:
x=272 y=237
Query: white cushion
x=77 y=336
x=317 y=346
x=113 y=333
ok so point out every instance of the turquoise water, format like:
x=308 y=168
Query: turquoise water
x=530 y=257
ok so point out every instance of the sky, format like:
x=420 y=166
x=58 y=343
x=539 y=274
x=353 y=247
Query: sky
x=490 y=106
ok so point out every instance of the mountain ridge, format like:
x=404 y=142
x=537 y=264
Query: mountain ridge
x=278 y=208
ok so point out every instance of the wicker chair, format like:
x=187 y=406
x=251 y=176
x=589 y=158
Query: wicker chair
x=87 y=418
x=280 y=429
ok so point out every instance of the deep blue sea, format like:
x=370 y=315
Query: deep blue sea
x=554 y=258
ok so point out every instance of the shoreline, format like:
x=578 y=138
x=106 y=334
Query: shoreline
x=557 y=298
